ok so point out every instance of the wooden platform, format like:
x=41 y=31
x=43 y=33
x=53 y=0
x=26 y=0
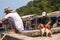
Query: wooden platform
x=25 y=34
x=37 y=32
x=9 y=36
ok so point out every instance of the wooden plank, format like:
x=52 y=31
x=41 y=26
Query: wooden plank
x=14 y=36
x=9 y=36
x=37 y=32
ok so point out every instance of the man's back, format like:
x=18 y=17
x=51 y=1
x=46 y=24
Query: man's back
x=17 y=19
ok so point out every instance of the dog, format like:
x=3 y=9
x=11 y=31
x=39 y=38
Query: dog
x=43 y=30
x=48 y=32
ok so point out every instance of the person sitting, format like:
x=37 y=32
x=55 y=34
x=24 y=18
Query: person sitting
x=45 y=22
x=13 y=19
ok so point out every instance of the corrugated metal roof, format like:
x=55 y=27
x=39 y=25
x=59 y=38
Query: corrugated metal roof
x=56 y=13
x=52 y=14
x=27 y=16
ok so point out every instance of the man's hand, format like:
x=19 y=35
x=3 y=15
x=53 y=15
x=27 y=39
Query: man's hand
x=3 y=20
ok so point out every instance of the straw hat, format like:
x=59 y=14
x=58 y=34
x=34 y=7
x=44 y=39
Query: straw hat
x=8 y=9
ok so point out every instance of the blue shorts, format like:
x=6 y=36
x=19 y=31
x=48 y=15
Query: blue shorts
x=10 y=21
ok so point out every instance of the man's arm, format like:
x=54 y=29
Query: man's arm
x=4 y=19
x=7 y=16
x=49 y=23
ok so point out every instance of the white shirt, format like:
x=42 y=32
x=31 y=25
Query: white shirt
x=17 y=19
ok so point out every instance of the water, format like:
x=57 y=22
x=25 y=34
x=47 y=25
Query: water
x=2 y=30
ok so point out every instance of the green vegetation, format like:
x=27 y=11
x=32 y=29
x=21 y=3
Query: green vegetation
x=38 y=6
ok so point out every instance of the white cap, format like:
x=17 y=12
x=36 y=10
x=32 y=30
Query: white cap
x=44 y=14
x=8 y=8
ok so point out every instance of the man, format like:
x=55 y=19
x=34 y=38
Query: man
x=14 y=19
x=45 y=22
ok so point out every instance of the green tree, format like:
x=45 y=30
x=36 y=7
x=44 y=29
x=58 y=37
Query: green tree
x=38 y=6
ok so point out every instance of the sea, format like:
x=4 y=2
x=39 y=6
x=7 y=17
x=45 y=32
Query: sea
x=3 y=30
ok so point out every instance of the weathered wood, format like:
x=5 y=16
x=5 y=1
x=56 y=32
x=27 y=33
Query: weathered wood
x=22 y=37
x=14 y=36
x=37 y=32
x=9 y=36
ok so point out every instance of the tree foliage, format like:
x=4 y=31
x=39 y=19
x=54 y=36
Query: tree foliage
x=38 y=6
